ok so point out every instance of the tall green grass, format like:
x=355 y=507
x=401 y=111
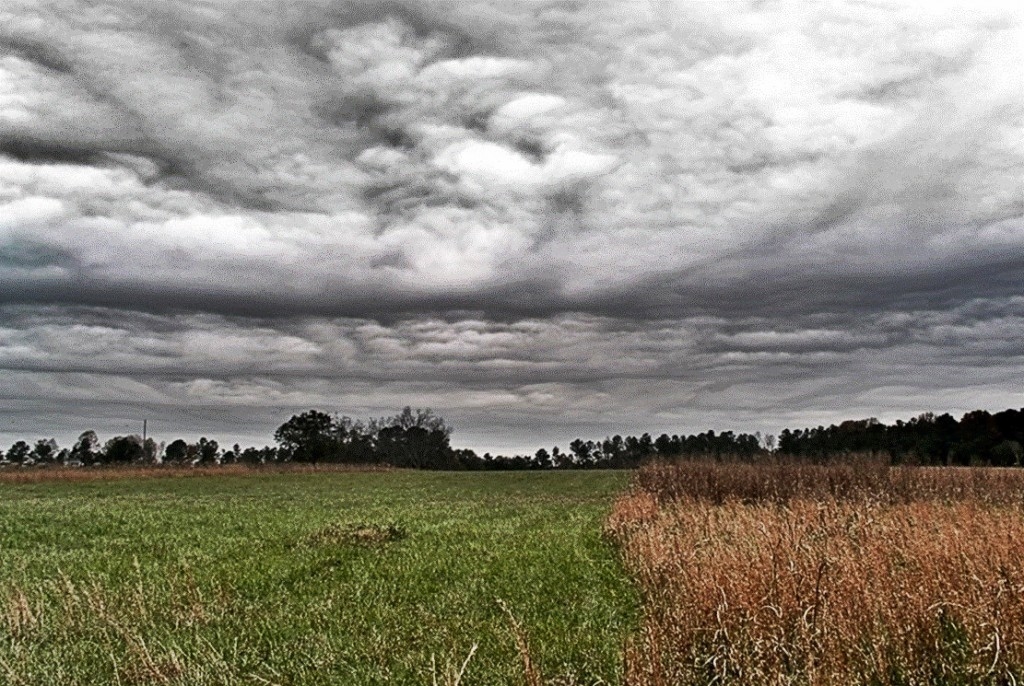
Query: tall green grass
x=314 y=578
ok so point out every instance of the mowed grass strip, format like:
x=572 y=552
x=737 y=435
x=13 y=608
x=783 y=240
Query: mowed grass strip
x=313 y=578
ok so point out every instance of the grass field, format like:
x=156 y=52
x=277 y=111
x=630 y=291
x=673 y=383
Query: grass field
x=825 y=575
x=313 y=578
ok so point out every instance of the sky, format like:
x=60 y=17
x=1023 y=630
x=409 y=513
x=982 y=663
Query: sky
x=543 y=220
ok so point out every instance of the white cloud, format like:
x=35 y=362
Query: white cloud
x=640 y=162
x=488 y=162
x=29 y=213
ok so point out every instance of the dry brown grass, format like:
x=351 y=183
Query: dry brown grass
x=28 y=475
x=793 y=574
x=862 y=478
x=531 y=673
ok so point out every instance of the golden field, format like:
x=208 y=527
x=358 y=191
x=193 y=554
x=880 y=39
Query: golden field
x=805 y=574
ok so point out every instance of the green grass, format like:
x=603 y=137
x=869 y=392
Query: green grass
x=332 y=578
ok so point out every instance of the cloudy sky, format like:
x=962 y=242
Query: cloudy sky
x=541 y=219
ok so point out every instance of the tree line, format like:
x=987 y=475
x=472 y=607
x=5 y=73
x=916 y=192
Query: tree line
x=411 y=438
x=978 y=438
x=420 y=439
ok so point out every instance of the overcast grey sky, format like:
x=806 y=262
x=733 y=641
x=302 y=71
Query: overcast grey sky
x=543 y=220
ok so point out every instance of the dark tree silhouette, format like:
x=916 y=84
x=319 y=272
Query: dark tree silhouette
x=86 y=448
x=307 y=437
x=19 y=453
x=208 y=451
x=124 y=449
x=45 y=451
x=176 y=451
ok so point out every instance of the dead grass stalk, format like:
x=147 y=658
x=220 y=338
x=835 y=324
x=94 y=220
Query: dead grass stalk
x=792 y=574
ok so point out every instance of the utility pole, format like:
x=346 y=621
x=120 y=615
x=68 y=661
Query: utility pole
x=144 y=430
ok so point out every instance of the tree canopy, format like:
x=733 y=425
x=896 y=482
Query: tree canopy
x=421 y=439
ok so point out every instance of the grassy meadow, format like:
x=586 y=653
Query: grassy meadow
x=825 y=575
x=693 y=573
x=312 y=577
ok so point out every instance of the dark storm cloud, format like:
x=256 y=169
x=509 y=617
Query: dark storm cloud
x=423 y=19
x=377 y=129
x=614 y=375
x=46 y=56
x=24 y=254
x=27 y=150
x=593 y=216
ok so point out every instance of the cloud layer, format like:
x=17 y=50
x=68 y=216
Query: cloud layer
x=543 y=219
